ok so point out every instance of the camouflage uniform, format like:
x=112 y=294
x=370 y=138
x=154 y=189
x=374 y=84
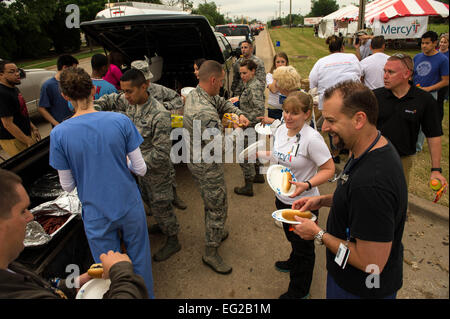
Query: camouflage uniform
x=209 y=110
x=153 y=122
x=251 y=103
x=168 y=97
x=237 y=86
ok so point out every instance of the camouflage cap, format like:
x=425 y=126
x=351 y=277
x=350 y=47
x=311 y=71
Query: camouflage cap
x=144 y=67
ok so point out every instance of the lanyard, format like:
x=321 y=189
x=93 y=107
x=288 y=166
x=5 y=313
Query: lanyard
x=353 y=161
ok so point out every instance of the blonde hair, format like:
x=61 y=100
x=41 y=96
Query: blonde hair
x=298 y=101
x=444 y=35
x=287 y=78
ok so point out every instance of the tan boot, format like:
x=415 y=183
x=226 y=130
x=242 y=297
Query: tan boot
x=213 y=260
x=171 y=247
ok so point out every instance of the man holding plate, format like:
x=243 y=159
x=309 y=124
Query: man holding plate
x=368 y=208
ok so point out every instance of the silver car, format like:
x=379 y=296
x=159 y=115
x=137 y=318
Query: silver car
x=30 y=87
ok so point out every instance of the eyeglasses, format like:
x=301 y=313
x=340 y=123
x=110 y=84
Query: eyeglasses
x=406 y=59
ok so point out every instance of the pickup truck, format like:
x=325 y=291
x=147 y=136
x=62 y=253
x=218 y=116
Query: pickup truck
x=175 y=40
x=235 y=34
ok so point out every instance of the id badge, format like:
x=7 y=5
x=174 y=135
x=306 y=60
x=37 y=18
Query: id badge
x=342 y=255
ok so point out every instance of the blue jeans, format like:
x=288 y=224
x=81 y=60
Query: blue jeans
x=336 y=292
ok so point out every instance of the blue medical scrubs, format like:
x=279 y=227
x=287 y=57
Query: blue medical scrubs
x=94 y=147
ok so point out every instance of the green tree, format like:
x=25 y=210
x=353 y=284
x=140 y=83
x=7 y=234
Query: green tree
x=21 y=31
x=209 y=10
x=321 y=8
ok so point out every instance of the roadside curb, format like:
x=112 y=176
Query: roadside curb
x=270 y=43
x=427 y=208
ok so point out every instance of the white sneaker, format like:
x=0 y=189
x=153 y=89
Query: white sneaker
x=278 y=224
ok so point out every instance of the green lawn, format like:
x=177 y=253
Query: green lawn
x=46 y=62
x=303 y=50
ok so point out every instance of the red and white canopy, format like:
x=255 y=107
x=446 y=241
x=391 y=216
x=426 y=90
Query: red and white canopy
x=385 y=10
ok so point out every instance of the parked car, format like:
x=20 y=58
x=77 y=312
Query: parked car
x=235 y=34
x=174 y=41
x=30 y=87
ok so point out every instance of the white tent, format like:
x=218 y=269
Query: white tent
x=334 y=24
x=394 y=19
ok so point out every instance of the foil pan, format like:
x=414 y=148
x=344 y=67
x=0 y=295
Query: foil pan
x=65 y=204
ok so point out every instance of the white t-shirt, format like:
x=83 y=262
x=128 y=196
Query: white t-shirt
x=372 y=70
x=274 y=98
x=332 y=69
x=312 y=153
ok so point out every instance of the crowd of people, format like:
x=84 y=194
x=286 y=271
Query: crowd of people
x=110 y=140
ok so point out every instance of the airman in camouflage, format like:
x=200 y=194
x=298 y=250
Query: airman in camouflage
x=237 y=86
x=204 y=109
x=154 y=124
x=171 y=101
x=251 y=103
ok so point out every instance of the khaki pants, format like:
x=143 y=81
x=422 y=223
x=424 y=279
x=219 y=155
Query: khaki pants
x=407 y=162
x=13 y=147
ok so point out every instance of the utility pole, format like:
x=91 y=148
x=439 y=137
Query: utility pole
x=362 y=12
x=279 y=2
x=290 y=14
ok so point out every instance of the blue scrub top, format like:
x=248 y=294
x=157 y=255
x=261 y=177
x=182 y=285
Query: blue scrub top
x=94 y=147
x=103 y=87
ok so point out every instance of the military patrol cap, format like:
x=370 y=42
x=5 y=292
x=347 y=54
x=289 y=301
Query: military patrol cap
x=143 y=66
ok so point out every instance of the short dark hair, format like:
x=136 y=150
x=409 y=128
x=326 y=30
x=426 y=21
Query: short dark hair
x=209 y=68
x=65 y=60
x=356 y=97
x=9 y=196
x=250 y=64
x=430 y=34
x=98 y=61
x=335 y=43
x=3 y=63
x=75 y=83
x=377 y=42
x=250 y=43
x=136 y=77
x=199 y=62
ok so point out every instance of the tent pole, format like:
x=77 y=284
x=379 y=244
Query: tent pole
x=362 y=11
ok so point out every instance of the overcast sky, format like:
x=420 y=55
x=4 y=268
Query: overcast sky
x=265 y=9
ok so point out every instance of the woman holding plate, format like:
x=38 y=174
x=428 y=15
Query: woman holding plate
x=301 y=149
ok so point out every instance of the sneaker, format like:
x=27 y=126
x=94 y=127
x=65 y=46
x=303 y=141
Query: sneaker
x=283 y=266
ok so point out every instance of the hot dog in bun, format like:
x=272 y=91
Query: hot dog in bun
x=289 y=214
x=96 y=271
x=285 y=185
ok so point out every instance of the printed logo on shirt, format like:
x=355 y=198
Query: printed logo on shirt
x=283 y=157
x=411 y=111
x=23 y=105
x=424 y=68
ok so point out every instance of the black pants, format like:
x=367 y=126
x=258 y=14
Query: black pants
x=302 y=259
x=442 y=96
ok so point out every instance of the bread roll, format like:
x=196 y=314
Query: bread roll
x=285 y=185
x=96 y=271
x=290 y=213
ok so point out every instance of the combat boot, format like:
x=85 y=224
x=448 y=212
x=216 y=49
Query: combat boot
x=154 y=229
x=259 y=178
x=177 y=201
x=213 y=260
x=247 y=190
x=171 y=247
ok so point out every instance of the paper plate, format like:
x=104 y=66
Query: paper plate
x=277 y=215
x=252 y=149
x=94 y=289
x=275 y=179
x=185 y=91
x=263 y=129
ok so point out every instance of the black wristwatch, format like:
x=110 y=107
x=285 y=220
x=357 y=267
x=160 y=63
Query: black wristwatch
x=309 y=185
x=436 y=169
